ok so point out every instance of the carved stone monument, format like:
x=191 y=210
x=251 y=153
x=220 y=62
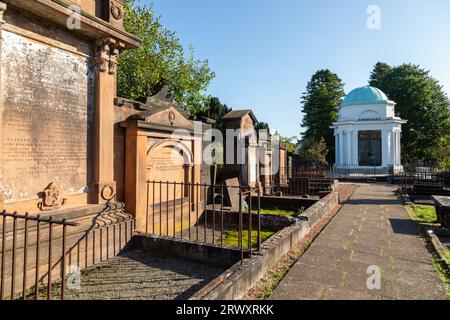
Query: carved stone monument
x=161 y=145
x=244 y=144
x=57 y=102
x=57 y=91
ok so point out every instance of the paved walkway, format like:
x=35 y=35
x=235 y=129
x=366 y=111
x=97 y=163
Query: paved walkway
x=372 y=229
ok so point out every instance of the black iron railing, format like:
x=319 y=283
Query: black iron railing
x=421 y=181
x=198 y=213
x=14 y=223
x=304 y=180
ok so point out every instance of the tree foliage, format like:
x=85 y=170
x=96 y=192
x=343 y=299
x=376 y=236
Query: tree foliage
x=379 y=71
x=213 y=109
x=159 y=61
x=314 y=152
x=420 y=100
x=320 y=105
x=262 y=126
x=289 y=143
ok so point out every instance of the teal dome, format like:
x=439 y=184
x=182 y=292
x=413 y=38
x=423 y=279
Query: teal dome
x=364 y=95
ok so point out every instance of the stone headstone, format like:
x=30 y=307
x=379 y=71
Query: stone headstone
x=232 y=194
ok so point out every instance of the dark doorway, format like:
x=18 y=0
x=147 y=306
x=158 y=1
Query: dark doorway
x=369 y=148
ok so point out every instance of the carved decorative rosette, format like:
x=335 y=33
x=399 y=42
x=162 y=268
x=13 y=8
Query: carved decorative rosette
x=116 y=10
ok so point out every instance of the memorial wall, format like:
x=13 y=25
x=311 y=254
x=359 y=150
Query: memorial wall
x=46 y=110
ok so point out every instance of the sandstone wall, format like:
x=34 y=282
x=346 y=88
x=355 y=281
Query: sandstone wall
x=46 y=111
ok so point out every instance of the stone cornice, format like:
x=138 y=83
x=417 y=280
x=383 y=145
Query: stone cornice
x=368 y=122
x=92 y=27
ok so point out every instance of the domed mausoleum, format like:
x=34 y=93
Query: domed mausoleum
x=367 y=135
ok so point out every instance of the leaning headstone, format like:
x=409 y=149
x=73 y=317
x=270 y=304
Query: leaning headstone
x=232 y=193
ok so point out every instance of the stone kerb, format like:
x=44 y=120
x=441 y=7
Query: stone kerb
x=319 y=209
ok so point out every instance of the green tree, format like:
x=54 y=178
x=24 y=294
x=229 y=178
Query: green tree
x=380 y=70
x=289 y=143
x=420 y=100
x=320 y=105
x=314 y=152
x=261 y=126
x=159 y=61
x=213 y=109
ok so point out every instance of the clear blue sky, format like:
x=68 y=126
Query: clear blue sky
x=264 y=51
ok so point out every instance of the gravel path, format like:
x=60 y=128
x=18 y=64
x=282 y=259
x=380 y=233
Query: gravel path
x=138 y=276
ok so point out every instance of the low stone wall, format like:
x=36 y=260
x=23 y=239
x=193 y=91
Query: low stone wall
x=236 y=281
x=319 y=209
x=189 y=250
x=268 y=221
x=284 y=203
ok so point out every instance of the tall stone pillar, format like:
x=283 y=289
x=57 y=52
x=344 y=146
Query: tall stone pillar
x=135 y=175
x=398 y=151
x=104 y=188
x=384 y=148
x=355 y=147
x=336 y=148
x=341 y=148
x=348 y=150
x=393 y=147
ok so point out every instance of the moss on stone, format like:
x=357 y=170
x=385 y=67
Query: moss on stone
x=231 y=237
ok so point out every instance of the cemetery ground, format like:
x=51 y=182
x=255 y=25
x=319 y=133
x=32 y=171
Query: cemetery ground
x=372 y=229
x=136 y=275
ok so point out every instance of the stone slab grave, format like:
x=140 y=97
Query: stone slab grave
x=442 y=205
x=232 y=194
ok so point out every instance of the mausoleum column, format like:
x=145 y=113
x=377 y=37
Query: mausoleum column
x=398 y=151
x=384 y=148
x=393 y=147
x=336 y=148
x=355 y=147
x=348 y=149
x=104 y=187
x=341 y=147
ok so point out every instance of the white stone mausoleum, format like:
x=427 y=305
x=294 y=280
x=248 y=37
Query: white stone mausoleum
x=367 y=135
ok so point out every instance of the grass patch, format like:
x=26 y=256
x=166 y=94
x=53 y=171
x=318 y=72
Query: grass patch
x=231 y=237
x=447 y=255
x=282 y=212
x=440 y=267
x=422 y=213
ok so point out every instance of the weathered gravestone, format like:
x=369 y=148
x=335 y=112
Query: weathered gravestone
x=241 y=150
x=232 y=194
